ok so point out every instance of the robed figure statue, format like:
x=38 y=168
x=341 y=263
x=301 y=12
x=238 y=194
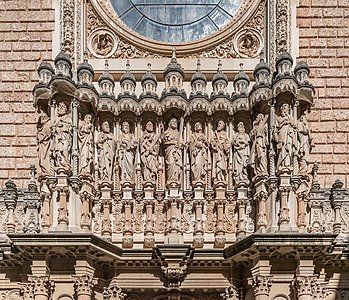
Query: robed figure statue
x=199 y=154
x=105 y=151
x=220 y=153
x=127 y=146
x=149 y=150
x=173 y=152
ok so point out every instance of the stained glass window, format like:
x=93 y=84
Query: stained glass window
x=176 y=21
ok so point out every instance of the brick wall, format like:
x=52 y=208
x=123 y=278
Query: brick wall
x=25 y=40
x=324 y=44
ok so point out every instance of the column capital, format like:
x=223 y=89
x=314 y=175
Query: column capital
x=261 y=284
x=84 y=284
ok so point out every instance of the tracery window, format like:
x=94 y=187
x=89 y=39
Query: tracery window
x=176 y=21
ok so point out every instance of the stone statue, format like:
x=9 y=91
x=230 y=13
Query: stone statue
x=284 y=137
x=241 y=148
x=149 y=149
x=198 y=153
x=105 y=150
x=62 y=138
x=127 y=146
x=44 y=144
x=259 y=150
x=220 y=152
x=86 y=145
x=173 y=152
x=305 y=144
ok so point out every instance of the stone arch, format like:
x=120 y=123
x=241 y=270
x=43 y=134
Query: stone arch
x=281 y=297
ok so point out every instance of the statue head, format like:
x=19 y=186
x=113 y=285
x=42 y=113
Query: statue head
x=106 y=127
x=125 y=127
x=198 y=127
x=284 y=109
x=88 y=118
x=62 y=109
x=241 y=127
x=258 y=119
x=173 y=123
x=149 y=126
x=220 y=125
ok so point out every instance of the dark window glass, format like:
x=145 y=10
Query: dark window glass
x=176 y=21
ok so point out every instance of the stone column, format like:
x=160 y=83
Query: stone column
x=75 y=149
x=271 y=129
x=10 y=197
x=149 y=240
x=127 y=239
x=295 y=160
x=198 y=240
x=261 y=286
x=84 y=286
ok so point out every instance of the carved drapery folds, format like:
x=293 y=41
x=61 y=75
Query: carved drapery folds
x=142 y=161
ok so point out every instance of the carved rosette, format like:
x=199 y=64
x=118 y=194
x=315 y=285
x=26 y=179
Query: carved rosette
x=84 y=285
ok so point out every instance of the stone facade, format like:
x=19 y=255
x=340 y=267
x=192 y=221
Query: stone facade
x=172 y=180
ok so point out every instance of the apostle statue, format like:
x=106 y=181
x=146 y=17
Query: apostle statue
x=220 y=153
x=259 y=150
x=305 y=144
x=241 y=148
x=62 y=138
x=149 y=150
x=284 y=137
x=199 y=154
x=105 y=151
x=173 y=152
x=44 y=144
x=127 y=146
x=86 y=145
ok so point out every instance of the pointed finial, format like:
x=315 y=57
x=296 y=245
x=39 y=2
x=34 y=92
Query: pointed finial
x=241 y=66
x=219 y=66
x=149 y=67
x=127 y=65
x=198 y=65
x=261 y=55
x=32 y=172
x=106 y=64
x=174 y=52
x=62 y=47
x=85 y=55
